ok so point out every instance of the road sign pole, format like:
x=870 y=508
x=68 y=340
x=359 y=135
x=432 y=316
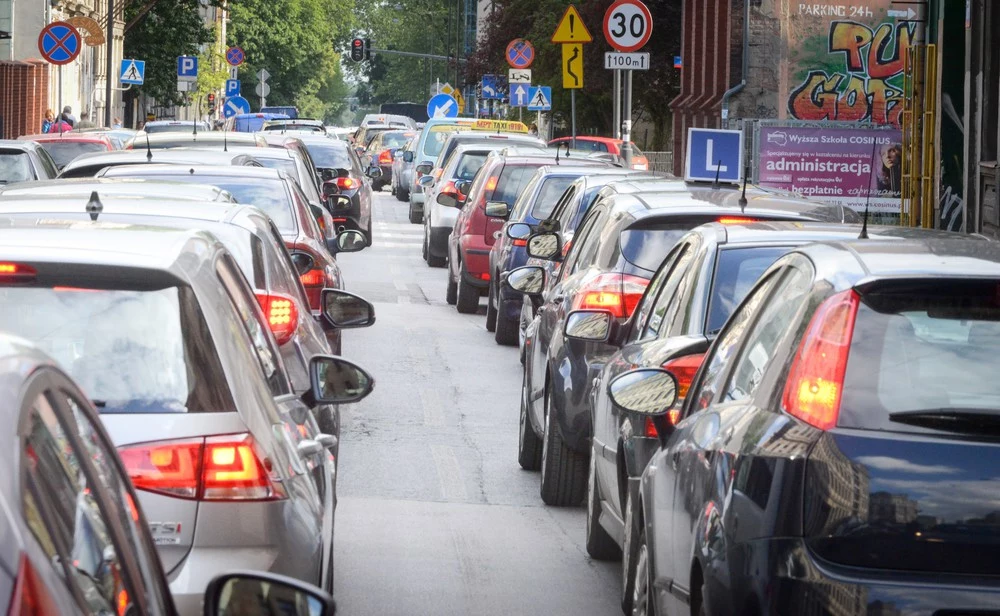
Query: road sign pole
x=572 y=114
x=627 y=122
x=109 y=64
x=59 y=114
x=616 y=105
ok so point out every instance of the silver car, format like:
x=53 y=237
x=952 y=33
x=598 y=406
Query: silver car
x=162 y=331
x=402 y=170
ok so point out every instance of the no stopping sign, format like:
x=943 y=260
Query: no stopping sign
x=628 y=25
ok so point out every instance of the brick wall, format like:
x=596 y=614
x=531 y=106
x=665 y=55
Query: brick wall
x=24 y=88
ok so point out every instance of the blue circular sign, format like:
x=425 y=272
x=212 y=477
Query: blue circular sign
x=235 y=105
x=520 y=53
x=235 y=56
x=442 y=106
x=59 y=43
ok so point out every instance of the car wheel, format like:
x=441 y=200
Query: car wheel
x=468 y=295
x=564 y=471
x=415 y=216
x=600 y=545
x=507 y=330
x=529 y=446
x=423 y=247
x=630 y=551
x=491 y=311
x=369 y=231
x=404 y=195
x=642 y=594
x=451 y=295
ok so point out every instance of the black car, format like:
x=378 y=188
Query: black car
x=837 y=450
x=25 y=161
x=620 y=244
x=343 y=174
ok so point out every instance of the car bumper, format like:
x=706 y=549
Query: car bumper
x=475 y=257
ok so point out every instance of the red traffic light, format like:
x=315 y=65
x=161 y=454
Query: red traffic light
x=211 y=97
x=357 y=50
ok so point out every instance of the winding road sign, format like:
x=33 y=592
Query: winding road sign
x=59 y=43
x=520 y=53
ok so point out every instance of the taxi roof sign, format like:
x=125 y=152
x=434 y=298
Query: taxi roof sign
x=500 y=125
x=571 y=28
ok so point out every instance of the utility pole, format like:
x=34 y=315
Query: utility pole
x=109 y=67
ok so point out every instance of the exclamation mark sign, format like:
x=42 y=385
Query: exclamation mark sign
x=572 y=20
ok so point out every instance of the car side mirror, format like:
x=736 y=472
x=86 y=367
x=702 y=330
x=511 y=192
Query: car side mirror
x=336 y=380
x=350 y=240
x=589 y=325
x=303 y=262
x=328 y=175
x=447 y=199
x=338 y=202
x=257 y=592
x=425 y=168
x=346 y=310
x=408 y=156
x=529 y=279
x=426 y=180
x=497 y=209
x=544 y=246
x=518 y=230
x=646 y=391
x=374 y=172
x=462 y=186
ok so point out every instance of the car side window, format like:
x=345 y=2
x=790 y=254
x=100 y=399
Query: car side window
x=714 y=369
x=666 y=303
x=763 y=339
x=561 y=207
x=678 y=316
x=652 y=293
x=579 y=239
x=249 y=313
x=62 y=499
x=280 y=267
x=590 y=244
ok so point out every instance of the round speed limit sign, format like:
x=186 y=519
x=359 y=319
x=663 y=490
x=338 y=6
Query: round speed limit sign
x=627 y=25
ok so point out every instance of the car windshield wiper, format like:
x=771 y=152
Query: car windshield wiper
x=959 y=420
x=99 y=403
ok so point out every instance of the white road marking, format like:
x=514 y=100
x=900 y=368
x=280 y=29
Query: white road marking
x=449 y=473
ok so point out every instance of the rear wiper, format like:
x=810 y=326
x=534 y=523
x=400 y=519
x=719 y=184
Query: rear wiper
x=960 y=420
x=99 y=403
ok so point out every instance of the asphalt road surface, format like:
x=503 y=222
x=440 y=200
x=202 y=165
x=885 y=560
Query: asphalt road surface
x=435 y=515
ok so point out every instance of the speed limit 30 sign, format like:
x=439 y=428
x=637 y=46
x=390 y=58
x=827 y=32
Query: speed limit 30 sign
x=628 y=25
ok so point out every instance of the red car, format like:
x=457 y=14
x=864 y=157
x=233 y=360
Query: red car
x=64 y=147
x=606 y=144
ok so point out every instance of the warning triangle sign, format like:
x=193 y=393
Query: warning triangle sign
x=571 y=28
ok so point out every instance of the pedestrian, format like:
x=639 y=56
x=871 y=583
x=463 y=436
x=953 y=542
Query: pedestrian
x=49 y=120
x=117 y=123
x=533 y=130
x=85 y=121
x=60 y=126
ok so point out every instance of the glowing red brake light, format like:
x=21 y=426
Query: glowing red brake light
x=313 y=278
x=617 y=293
x=219 y=468
x=520 y=242
x=816 y=380
x=684 y=368
x=30 y=597
x=346 y=183
x=385 y=158
x=736 y=220
x=16 y=272
x=491 y=183
x=282 y=315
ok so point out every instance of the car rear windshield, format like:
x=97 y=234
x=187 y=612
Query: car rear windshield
x=330 y=156
x=512 y=179
x=395 y=140
x=284 y=164
x=923 y=347
x=469 y=165
x=552 y=189
x=15 y=167
x=736 y=270
x=179 y=127
x=435 y=141
x=646 y=246
x=131 y=351
x=62 y=152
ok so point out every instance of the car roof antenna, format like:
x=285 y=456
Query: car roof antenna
x=149 y=150
x=743 y=197
x=864 y=220
x=718 y=168
x=225 y=140
x=94 y=206
x=558 y=148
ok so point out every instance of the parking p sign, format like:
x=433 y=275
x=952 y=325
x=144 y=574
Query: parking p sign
x=714 y=153
x=187 y=68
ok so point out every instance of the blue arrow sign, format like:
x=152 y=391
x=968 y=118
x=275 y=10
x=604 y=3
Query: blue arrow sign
x=133 y=72
x=491 y=88
x=187 y=67
x=519 y=96
x=235 y=106
x=232 y=88
x=442 y=106
x=539 y=98
x=712 y=151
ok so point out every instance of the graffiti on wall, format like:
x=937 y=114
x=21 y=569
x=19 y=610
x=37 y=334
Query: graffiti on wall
x=859 y=79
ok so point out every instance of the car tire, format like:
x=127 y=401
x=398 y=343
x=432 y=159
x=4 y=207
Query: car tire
x=415 y=217
x=506 y=331
x=600 y=545
x=468 y=296
x=435 y=261
x=404 y=195
x=529 y=446
x=369 y=232
x=564 y=471
x=491 y=311
x=451 y=295
x=630 y=550
x=642 y=594
x=423 y=248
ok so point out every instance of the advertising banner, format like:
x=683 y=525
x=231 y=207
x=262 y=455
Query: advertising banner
x=842 y=166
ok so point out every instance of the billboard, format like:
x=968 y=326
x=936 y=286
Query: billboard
x=842 y=166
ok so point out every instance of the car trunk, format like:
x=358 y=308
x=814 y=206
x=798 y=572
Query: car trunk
x=172 y=520
x=907 y=480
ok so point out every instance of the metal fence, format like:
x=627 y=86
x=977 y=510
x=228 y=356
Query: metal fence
x=660 y=161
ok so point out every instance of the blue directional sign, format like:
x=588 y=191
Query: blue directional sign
x=133 y=72
x=187 y=67
x=232 y=88
x=491 y=88
x=235 y=106
x=539 y=98
x=519 y=96
x=712 y=152
x=442 y=106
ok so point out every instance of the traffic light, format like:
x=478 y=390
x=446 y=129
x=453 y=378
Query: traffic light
x=368 y=49
x=358 y=48
x=211 y=98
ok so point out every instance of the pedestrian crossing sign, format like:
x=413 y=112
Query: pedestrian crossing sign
x=133 y=72
x=540 y=98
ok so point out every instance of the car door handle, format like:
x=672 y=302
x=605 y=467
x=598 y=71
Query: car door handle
x=308 y=448
x=327 y=440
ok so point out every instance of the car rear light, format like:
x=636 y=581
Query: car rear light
x=314 y=281
x=16 y=272
x=617 y=293
x=491 y=183
x=483 y=276
x=520 y=242
x=816 y=380
x=437 y=173
x=29 y=597
x=684 y=368
x=217 y=468
x=736 y=220
x=385 y=158
x=282 y=315
x=346 y=183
